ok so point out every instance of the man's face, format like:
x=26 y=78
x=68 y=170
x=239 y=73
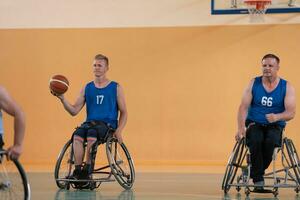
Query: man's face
x=100 y=68
x=270 y=67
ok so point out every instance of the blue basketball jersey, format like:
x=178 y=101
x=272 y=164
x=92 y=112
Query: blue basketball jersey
x=1 y=124
x=101 y=103
x=264 y=102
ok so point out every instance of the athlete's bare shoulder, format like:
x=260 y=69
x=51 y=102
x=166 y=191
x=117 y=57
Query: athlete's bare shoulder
x=3 y=92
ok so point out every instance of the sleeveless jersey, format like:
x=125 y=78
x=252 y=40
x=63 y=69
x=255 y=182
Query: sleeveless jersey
x=264 y=102
x=101 y=103
x=1 y=124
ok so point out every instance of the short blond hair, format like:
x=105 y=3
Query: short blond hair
x=102 y=57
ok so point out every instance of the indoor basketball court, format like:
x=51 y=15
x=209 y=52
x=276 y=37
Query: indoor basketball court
x=151 y=185
x=183 y=66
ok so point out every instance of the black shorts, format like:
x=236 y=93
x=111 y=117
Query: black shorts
x=94 y=129
x=260 y=132
x=1 y=142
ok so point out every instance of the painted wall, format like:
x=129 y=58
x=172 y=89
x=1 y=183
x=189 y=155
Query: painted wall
x=182 y=69
x=182 y=85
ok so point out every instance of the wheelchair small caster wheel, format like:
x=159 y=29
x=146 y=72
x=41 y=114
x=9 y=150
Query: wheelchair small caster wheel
x=247 y=191
x=238 y=188
x=297 y=190
x=275 y=192
x=67 y=186
x=92 y=185
x=226 y=189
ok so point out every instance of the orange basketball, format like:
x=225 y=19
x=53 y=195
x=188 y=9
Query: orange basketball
x=59 y=84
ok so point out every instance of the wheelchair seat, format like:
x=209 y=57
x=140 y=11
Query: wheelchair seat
x=237 y=173
x=120 y=165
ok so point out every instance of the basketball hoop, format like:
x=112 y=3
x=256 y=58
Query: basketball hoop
x=257 y=8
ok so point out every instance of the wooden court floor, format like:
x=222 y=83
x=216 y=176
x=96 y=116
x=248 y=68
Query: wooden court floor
x=149 y=186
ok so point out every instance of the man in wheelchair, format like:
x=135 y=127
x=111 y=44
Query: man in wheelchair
x=267 y=103
x=105 y=107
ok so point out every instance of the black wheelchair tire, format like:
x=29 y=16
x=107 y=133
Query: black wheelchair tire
x=24 y=179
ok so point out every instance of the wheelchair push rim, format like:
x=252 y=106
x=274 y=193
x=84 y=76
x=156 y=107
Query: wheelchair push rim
x=120 y=162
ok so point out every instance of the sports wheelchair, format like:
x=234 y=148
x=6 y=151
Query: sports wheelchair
x=13 y=180
x=237 y=172
x=120 y=165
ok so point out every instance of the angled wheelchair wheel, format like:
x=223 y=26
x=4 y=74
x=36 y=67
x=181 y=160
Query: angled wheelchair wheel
x=293 y=157
x=120 y=163
x=234 y=163
x=64 y=166
x=13 y=180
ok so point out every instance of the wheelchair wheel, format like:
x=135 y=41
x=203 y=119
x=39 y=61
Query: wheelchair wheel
x=294 y=158
x=235 y=160
x=13 y=180
x=64 y=166
x=120 y=162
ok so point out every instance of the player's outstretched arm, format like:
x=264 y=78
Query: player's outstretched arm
x=12 y=108
x=75 y=108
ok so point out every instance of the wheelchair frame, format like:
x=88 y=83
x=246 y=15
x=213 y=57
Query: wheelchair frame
x=239 y=162
x=113 y=151
x=13 y=179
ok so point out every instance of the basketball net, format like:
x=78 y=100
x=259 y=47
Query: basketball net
x=257 y=9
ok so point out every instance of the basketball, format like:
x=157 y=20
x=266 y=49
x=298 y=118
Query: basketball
x=58 y=84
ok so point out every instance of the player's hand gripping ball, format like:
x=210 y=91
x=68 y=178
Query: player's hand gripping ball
x=58 y=84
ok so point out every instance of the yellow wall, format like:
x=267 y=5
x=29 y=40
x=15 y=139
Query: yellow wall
x=182 y=85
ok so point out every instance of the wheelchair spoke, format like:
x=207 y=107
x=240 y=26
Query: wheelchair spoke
x=122 y=166
x=121 y=171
